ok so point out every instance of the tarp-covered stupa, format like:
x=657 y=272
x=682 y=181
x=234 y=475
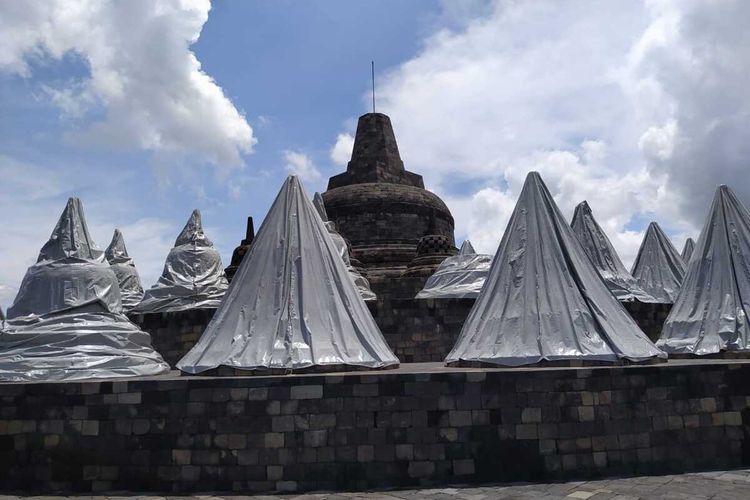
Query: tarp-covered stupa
x=658 y=267
x=711 y=312
x=131 y=291
x=66 y=322
x=292 y=304
x=193 y=275
x=687 y=251
x=343 y=249
x=544 y=300
x=458 y=277
x=604 y=257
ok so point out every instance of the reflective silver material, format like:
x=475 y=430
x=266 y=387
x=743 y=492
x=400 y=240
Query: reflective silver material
x=544 y=300
x=604 y=257
x=193 y=275
x=131 y=291
x=66 y=322
x=687 y=251
x=658 y=268
x=363 y=286
x=711 y=312
x=292 y=304
x=458 y=277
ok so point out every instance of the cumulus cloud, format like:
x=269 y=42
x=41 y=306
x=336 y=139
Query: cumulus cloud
x=638 y=107
x=145 y=88
x=341 y=152
x=690 y=72
x=301 y=165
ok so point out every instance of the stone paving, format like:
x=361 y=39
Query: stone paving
x=719 y=485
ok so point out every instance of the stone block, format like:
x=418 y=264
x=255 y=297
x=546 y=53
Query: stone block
x=526 y=431
x=306 y=392
x=421 y=469
x=531 y=415
x=365 y=453
x=273 y=440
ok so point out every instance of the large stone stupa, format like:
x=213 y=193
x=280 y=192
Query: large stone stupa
x=382 y=209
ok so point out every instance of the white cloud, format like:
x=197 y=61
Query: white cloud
x=693 y=67
x=301 y=165
x=143 y=78
x=341 y=152
x=638 y=107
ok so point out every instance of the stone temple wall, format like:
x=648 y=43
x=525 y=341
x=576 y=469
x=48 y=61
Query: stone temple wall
x=416 y=330
x=366 y=430
x=173 y=334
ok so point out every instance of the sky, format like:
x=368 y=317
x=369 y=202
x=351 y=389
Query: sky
x=147 y=109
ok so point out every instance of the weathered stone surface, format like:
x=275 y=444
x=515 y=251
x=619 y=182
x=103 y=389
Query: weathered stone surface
x=379 y=207
x=423 y=424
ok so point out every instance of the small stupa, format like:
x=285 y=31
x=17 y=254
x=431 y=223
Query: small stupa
x=193 y=275
x=241 y=250
x=66 y=322
x=363 y=286
x=710 y=314
x=459 y=277
x=544 y=300
x=131 y=290
x=687 y=251
x=604 y=257
x=293 y=305
x=658 y=267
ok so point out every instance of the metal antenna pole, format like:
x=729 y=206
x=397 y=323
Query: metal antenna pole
x=372 y=63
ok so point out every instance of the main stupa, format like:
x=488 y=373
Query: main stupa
x=383 y=210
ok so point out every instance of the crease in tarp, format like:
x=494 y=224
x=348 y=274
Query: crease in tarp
x=457 y=277
x=66 y=322
x=658 y=267
x=687 y=251
x=603 y=255
x=544 y=300
x=292 y=304
x=193 y=275
x=343 y=249
x=131 y=290
x=711 y=312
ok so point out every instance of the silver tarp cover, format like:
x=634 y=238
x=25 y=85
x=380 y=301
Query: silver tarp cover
x=193 y=275
x=291 y=304
x=604 y=257
x=131 y=291
x=544 y=300
x=343 y=249
x=687 y=251
x=66 y=322
x=658 y=267
x=711 y=311
x=458 y=277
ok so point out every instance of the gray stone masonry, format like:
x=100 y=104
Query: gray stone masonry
x=416 y=330
x=419 y=425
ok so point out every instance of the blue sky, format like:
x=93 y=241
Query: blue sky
x=148 y=109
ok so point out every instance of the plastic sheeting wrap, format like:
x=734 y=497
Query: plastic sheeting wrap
x=544 y=300
x=711 y=311
x=193 y=275
x=66 y=322
x=363 y=286
x=458 y=277
x=687 y=251
x=131 y=291
x=658 y=267
x=604 y=257
x=292 y=304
